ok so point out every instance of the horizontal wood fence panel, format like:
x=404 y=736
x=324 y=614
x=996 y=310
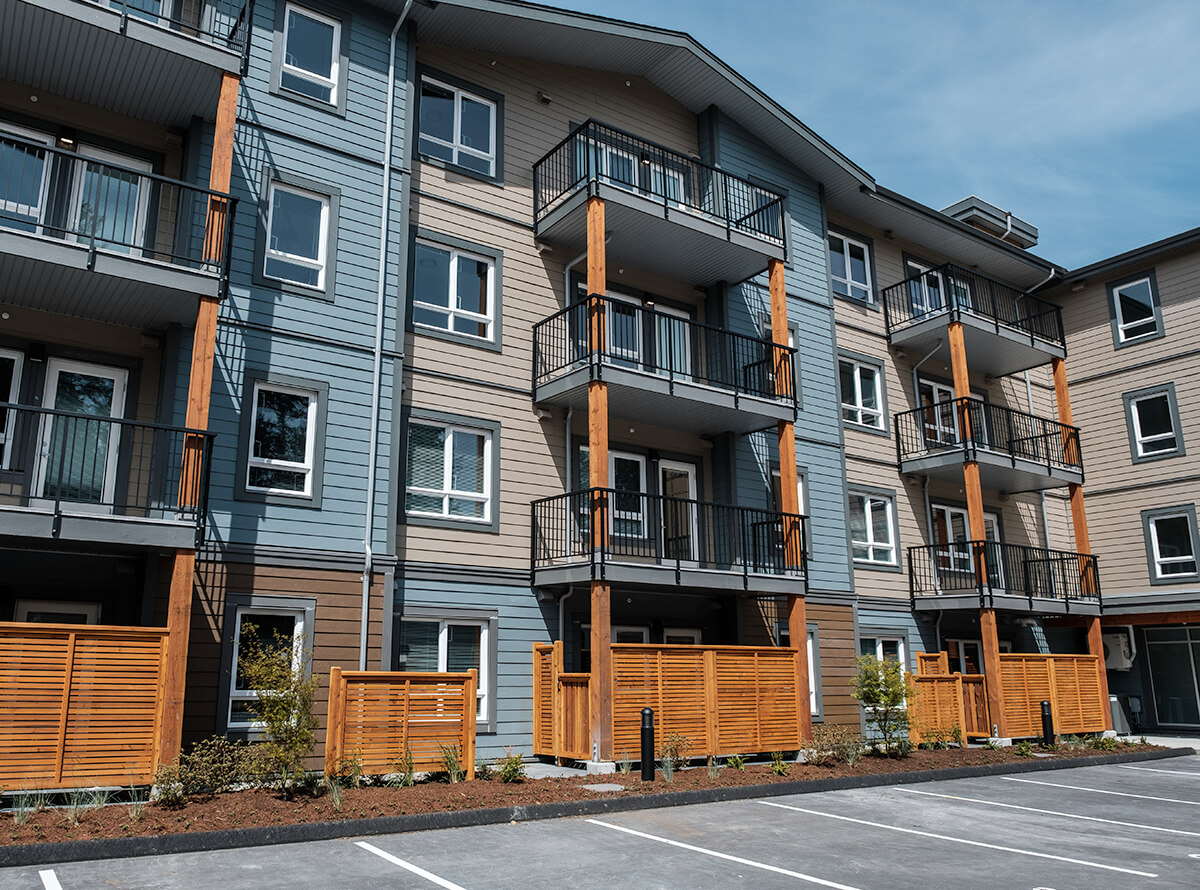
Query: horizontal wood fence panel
x=544 y=712
x=933 y=664
x=376 y=716
x=81 y=704
x=1071 y=683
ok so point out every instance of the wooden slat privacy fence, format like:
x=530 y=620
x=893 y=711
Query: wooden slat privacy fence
x=1071 y=683
x=375 y=716
x=943 y=703
x=80 y=705
x=725 y=699
x=933 y=664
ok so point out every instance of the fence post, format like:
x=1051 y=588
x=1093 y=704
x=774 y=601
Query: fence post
x=64 y=707
x=335 y=720
x=556 y=706
x=1053 y=683
x=961 y=707
x=470 y=699
x=711 y=722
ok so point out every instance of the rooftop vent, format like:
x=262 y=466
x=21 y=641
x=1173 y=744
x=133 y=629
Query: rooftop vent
x=996 y=222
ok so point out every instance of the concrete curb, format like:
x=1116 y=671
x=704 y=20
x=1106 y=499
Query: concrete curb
x=119 y=848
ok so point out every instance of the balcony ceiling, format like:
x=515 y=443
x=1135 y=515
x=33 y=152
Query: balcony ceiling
x=997 y=472
x=53 y=276
x=1003 y=602
x=75 y=49
x=991 y=351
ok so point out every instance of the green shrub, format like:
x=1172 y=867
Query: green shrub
x=214 y=765
x=778 y=765
x=347 y=772
x=883 y=688
x=511 y=767
x=405 y=775
x=737 y=761
x=483 y=770
x=714 y=769
x=1023 y=749
x=454 y=770
x=624 y=764
x=168 y=789
x=1103 y=743
x=674 y=747
x=832 y=743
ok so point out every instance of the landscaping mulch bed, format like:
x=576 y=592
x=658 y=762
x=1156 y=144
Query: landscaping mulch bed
x=261 y=808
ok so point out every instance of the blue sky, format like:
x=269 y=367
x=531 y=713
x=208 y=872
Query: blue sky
x=1081 y=117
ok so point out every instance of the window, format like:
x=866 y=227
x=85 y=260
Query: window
x=885 y=648
x=10 y=391
x=850 y=268
x=282 y=434
x=872 y=529
x=1171 y=543
x=458 y=126
x=627 y=480
x=1153 y=417
x=1135 y=310
x=281 y=628
x=311 y=54
x=451 y=645
x=783 y=637
x=862 y=393
x=297 y=236
x=24 y=183
x=449 y=472
x=454 y=290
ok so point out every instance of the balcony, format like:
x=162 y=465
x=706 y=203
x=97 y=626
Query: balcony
x=155 y=60
x=993 y=575
x=81 y=236
x=662 y=368
x=654 y=540
x=83 y=477
x=664 y=212
x=1015 y=451
x=1005 y=330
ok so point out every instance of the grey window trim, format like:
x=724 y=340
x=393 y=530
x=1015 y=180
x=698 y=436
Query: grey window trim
x=459 y=83
x=1188 y=510
x=853 y=488
x=1110 y=288
x=885 y=429
x=240 y=492
x=455 y=613
x=233 y=602
x=331 y=236
x=338 y=105
x=413 y=414
x=814 y=677
x=1128 y=399
x=872 y=302
x=495 y=254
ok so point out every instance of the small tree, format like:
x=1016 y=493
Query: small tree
x=883 y=688
x=284 y=704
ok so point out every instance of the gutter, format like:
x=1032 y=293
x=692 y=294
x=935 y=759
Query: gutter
x=377 y=372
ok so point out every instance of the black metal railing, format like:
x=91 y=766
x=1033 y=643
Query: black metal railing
x=654 y=530
x=953 y=291
x=605 y=331
x=73 y=462
x=223 y=23
x=86 y=200
x=972 y=425
x=989 y=568
x=600 y=154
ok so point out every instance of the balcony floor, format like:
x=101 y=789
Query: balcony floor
x=991 y=349
x=664 y=576
x=1005 y=602
x=997 y=471
x=97 y=528
x=682 y=244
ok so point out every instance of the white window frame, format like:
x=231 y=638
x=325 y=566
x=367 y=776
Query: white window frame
x=446 y=493
x=47 y=163
x=1160 y=560
x=870 y=543
x=857 y=405
x=305 y=467
x=90 y=610
x=956 y=557
x=88 y=155
x=451 y=310
x=783 y=638
x=1140 y=440
x=335 y=53
x=483 y=679
x=269 y=253
x=456 y=146
x=880 y=639
x=298 y=655
x=1122 y=325
x=849 y=283
x=693 y=633
x=13 y=394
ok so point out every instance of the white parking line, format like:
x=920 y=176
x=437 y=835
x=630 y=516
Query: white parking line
x=416 y=870
x=739 y=860
x=1169 y=772
x=50 y=880
x=1190 y=803
x=959 y=840
x=1013 y=806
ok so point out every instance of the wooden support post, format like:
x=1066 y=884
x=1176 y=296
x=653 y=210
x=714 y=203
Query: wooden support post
x=798 y=634
x=179 y=620
x=991 y=667
x=600 y=701
x=1096 y=647
x=470 y=697
x=335 y=720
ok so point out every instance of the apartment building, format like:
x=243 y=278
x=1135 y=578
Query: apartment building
x=1128 y=321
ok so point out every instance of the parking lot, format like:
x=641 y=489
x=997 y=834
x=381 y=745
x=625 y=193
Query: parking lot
x=1132 y=825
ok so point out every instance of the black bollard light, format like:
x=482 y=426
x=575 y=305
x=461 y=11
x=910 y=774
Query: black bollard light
x=647 y=745
x=1047 y=725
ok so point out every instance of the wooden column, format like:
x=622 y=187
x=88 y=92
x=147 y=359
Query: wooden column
x=793 y=539
x=600 y=703
x=179 y=605
x=1083 y=543
x=978 y=529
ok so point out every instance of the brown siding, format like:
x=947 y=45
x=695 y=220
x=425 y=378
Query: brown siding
x=838 y=651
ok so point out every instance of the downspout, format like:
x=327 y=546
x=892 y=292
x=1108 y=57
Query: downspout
x=562 y=613
x=1029 y=404
x=925 y=479
x=377 y=373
